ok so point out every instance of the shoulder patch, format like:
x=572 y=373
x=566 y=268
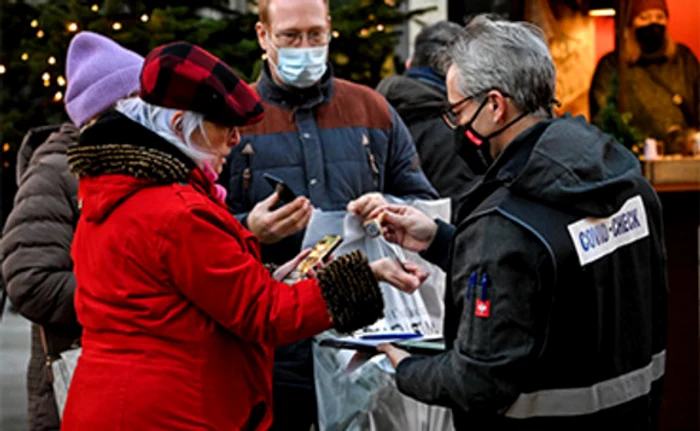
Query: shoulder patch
x=354 y=105
x=596 y=238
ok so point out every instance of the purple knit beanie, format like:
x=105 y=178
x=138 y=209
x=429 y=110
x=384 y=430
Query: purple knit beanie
x=100 y=72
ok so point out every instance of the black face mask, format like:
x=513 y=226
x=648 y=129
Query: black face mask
x=474 y=148
x=651 y=37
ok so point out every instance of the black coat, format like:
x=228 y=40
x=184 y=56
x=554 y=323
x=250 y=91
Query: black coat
x=420 y=106
x=576 y=334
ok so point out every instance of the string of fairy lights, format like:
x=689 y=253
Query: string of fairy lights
x=73 y=27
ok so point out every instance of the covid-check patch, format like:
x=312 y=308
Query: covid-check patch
x=596 y=238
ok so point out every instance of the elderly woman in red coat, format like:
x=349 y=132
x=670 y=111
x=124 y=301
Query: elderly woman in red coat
x=180 y=316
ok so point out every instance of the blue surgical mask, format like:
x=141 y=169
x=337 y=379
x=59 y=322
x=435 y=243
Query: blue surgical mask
x=301 y=67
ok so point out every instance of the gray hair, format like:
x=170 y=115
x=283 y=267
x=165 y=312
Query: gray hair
x=510 y=56
x=431 y=47
x=158 y=120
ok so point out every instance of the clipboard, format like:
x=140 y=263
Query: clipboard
x=427 y=346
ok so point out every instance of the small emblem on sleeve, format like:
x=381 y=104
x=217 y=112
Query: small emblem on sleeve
x=483 y=304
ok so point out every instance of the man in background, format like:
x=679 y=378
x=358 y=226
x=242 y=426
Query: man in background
x=419 y=96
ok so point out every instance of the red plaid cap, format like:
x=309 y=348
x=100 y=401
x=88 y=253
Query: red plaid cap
x=183 y=76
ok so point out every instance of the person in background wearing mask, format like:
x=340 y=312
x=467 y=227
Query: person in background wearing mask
x=39 y=231
x=662 y=87
x=556 y=311
x=419 y=96
x=337 y=145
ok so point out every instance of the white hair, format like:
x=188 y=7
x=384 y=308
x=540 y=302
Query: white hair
x=158 y=120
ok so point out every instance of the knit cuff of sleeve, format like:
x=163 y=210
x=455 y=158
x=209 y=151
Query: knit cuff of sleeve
x=351 y=292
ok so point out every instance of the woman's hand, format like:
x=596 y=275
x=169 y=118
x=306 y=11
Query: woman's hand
x=406 y=226
x=288 y=268
x=389 y=270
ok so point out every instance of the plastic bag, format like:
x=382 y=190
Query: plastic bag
x=359 y=393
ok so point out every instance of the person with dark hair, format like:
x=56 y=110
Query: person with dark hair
x=418 y=96
x=662 y=84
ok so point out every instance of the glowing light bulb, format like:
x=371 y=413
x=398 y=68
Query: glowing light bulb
x=51 y=60
x=95 y=8
x=335 y=34
x=6 y=147
x=117 y=26
x=72 y=27
x=58 y=96
x=25 y=57
x=61 y=81
x=3 y=69
x=34 y=24
x=46 y=76
x=40 y=34
x=145 y=17
x=380 y=27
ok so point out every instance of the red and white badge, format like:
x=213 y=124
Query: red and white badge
x=482 y=309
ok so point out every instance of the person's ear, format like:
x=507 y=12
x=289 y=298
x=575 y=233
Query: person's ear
x=262 y=31
x=497 y=103
x=176 y=123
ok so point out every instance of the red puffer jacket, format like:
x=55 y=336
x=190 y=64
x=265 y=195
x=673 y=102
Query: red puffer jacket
x=180 y=317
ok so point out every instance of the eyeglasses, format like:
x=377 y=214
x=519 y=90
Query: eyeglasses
x=449 y=116
x=287 y=39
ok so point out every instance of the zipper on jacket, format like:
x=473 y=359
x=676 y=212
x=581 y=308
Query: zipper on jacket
x=247 y=177
x=374 y=168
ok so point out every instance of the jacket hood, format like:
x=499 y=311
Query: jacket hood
x=412 y=98
x=42 y=141
x=99 y=196
x=572 y=165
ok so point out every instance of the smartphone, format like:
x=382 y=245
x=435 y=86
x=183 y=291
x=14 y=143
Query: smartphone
x=321 y=251
x=286 y=193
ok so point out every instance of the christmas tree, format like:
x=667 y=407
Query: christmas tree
x=35 y=38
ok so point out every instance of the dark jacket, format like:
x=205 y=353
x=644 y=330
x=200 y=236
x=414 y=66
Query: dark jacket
x=650 y=88
x=37 y=265
x=420 y=103
x=556 y=304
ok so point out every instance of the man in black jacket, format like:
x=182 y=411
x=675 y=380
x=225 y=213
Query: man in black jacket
x=419 y=97
x=556 y=303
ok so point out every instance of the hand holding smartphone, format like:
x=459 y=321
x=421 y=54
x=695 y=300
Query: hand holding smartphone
x=286 y=193
x=321 y=251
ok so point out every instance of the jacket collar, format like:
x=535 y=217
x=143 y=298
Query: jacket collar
x=295 y=98
x=428 y=76
x=505 y=169
x=116 y=145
